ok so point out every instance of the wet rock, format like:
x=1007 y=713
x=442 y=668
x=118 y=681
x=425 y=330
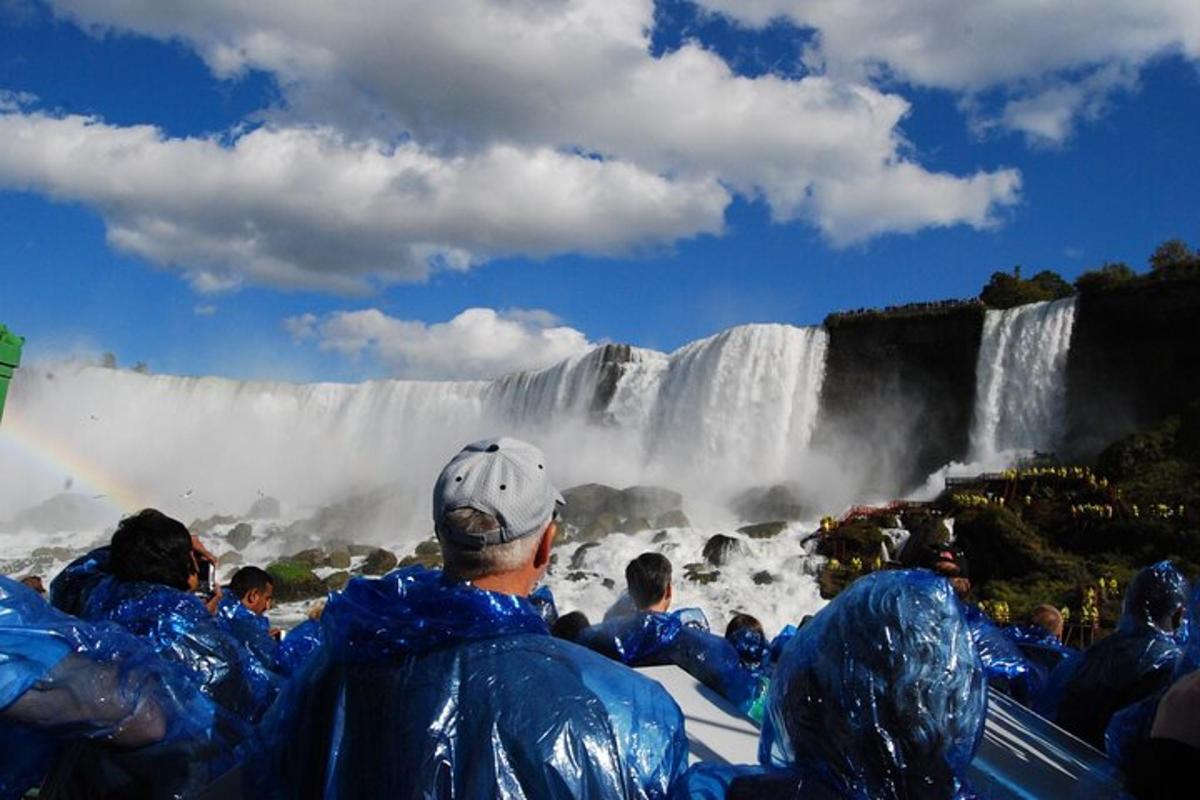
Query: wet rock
x=264 y=508
x=764 y=530
x=763 y=578
x=650 y=501
x=427 y=554
x=338 y=559
x=672 y=519
x=608 y=583
x=52 y=553
x=360 y=550
x=602 y=526
x=778 y=502
x=239 y=535
x=337 y=581
x=700 y=573
x=202 y=526
x=230 y=558
x=295 y=581
x=660 y=537
x=587 y=502
x=312 y=557
x=638 y=524
x=580 y=557
x=379 y=562
x=719 y=549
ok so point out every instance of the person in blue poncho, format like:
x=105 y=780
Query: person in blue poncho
x=152 y=574
x=96 y=709
x=1006 y=668
x=448 y=684
x=1130 y=727
x=1040 y=639
x=242 y=612
x=1133 y=663
x=651 y=636
x=881 y=696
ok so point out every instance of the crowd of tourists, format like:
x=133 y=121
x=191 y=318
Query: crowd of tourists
x=466 y=682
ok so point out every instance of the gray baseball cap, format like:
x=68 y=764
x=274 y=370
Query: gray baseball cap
x=504 y=477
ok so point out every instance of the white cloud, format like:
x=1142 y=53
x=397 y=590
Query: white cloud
x=1056 y=61
x=310 y=208
x=478 y=343
x=204 y=310
x=526 y=127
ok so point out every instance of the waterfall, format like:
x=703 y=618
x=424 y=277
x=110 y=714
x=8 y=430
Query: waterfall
x=1020 y=378
x=724 y=412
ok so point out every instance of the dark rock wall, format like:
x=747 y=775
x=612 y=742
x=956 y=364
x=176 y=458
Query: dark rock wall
x=1135 y=357
x=899 y=394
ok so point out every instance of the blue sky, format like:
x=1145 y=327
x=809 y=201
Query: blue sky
x=649 y=174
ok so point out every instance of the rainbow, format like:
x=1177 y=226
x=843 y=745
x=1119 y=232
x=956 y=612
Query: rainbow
x=43 y=450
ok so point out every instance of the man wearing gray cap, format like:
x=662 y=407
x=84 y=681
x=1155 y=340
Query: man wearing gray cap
x=447 y=683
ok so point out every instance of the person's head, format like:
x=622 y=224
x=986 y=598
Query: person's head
x=1049 y=618
x=740 y=622
x=254 y=587
x=882 y=694
x=648 y=579
x=34 y=582
x=1156 y=599
x=152 y=547
x=569 y=626
x=495 y=513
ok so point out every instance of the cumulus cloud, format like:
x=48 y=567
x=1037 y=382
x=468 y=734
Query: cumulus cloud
x=416 y=136
x=308 y=207
x=1056 y=62
x=479 y=343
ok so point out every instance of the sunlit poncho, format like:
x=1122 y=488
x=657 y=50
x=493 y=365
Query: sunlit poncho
x=880 y=697
x=479 y=702
x=181 y=630
x=1138 y=660
x=649 y=639
x=1131 y=725
x=1006 y=668
x=96 y=707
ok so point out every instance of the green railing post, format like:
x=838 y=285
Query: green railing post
x=10 y=359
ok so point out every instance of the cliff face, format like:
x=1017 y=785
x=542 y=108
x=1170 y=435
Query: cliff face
x=1135 y=357
x=899 y=394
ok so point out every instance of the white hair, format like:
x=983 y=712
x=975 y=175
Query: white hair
x=494 y=559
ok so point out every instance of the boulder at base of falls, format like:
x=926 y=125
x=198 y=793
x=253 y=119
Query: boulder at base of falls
x=763 y=578
x=264 y=508
x=230 y=558
x=594 y=510
x=379 y=562
x=719 y=549
x=202 y=526
x=579 y=558
x=295 y=581
x=427 y=554
x=337 y=581
x=764 y=530
x=239 y=535
x=312 y=557
x=700 y=573
x=767 y=503
x=338 y=558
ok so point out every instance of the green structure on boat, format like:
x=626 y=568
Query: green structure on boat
x=10 y=359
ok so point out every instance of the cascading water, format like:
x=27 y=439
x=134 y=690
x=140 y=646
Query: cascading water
x=1020 y=390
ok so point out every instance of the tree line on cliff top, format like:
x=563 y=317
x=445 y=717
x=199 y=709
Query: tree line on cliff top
x=1173 y=259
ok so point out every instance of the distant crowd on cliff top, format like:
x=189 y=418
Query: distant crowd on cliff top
x=466 y=682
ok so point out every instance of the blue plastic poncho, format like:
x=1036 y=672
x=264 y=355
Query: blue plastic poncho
x=881 y=695
x=69 y=589
x=543 y=600
x=1041 y=648
x=103 y=705
x=649 y=639
x=1005 y=666
x=780 y=642
x=480 y=702
x=181 y=630
x=252 y=630
x=298 y=646
x=1131 y=725
x=1138 y=660
x=753 y=651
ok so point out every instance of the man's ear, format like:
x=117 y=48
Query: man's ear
x=670 y=592
x=542 y=556
x=251 y=597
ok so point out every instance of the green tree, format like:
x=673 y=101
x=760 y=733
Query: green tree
x=1174 y=259
x=1006 y=290
x=1105 y=276
x=108 y=361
